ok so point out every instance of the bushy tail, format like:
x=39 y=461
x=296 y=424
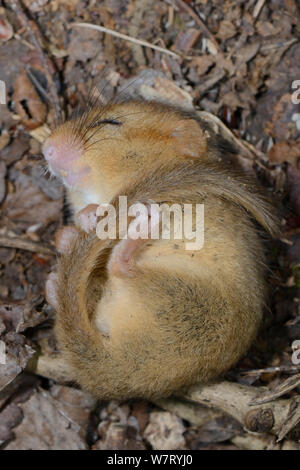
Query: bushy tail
x=192 y=179
x=73 y=324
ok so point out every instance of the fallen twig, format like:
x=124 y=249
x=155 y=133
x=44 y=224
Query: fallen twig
x=258 y=7
x=283 y=388
x=262 y=442
x=102 y=29
x=271 y=370
x=292 y=419
x=37 y=84
x=50 y=367
x=28 y=245
x=193 y=412
x=16 y=7
x=200 y=23
x=278 y=417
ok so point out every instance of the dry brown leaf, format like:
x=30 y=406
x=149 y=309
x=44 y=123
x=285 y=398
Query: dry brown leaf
x=6 y=30
x=286 y=151
x=84 y=45
x=29 y=204
x=219 y=429
x=44 y=427
x=203 y=63
x=226 y=30
x=10 y=417
x=165 y=431
x=265 y=28
x=120 y=437
x=166 y=91
x=27 y=102
x=186 y=40
x=246 y=53
x=75 y=405
x=13 y=152
x=17 y=355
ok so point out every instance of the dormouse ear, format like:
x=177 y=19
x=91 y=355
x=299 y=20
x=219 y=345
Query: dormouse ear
x=190 y=139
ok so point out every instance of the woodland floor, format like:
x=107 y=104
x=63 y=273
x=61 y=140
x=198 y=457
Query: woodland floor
x=237 y=60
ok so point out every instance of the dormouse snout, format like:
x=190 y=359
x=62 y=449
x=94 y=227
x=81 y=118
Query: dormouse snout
x=64 y=158
x=60 y=152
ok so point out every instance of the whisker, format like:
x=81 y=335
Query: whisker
x=101 y=140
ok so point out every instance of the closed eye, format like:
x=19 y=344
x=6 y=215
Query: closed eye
x=112 y=122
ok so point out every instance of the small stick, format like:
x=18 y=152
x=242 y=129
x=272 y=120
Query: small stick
x=102 y=29
x=258 y=7
x=28 y=245
x=234 y=399
x=16 y=7
x=37 y=84
x=270 y=370
x=278 y=417
x=289 y=384
x=200 y=23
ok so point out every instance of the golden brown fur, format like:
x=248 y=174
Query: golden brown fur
x=181 y=316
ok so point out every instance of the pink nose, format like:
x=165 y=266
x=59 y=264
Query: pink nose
x=50 y=151
x=59 y=152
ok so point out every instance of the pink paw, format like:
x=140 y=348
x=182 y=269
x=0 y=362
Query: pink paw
x=64 y=239
x=86 y=219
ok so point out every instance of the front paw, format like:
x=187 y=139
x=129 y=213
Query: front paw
x=86 y=219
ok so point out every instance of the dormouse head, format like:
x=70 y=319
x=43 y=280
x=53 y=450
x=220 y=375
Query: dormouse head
x=106 y=146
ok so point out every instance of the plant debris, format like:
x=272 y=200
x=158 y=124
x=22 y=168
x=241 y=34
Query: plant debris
x=237 y=60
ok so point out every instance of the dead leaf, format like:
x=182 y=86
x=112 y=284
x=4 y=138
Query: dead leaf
x=16 y=149
x=44 y=427
x=165 y=431
x=186 y=40
x=30 y=108
x=75 y=405
x=6 y=30
x=246 y=53
x=280 y=126
x=203 y=63
x=16 y=356
x=220 y=429
x=226 y=30
x=10 y=417
x=84 y=45
x=265 y=28
x=120 y=437
x=168 y=92
x=285 y=151
x=29 y=204
x=140 y=411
